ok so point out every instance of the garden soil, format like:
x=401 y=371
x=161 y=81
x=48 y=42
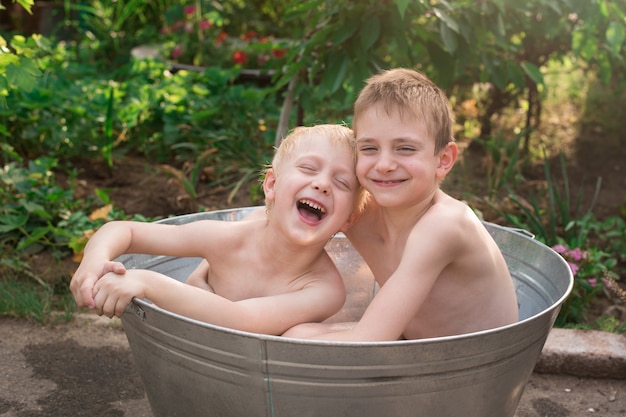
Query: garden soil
x=85 y=368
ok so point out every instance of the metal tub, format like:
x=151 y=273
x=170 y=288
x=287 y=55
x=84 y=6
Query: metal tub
x=190 y=368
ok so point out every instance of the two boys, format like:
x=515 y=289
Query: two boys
x=439 y=271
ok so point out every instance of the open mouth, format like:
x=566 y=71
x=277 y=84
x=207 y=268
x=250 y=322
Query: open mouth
x=311 y=210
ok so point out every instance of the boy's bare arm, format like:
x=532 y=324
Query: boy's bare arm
x=431 y=246
x=117 y=238
x=269 y=315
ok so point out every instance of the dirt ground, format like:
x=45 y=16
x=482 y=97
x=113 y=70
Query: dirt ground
x=85 y=368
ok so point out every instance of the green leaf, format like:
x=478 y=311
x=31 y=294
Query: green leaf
x=34 y=237
x=30 y=66
x=445 y=18
x=615 y=35
x=24 y=76
x=346 y=30
x=516 y=75
x=369 y=34
x=448 y=37
x=27 y=5
x=10 y=222
x=533 y=72
x=336 y=69
x=7 y=58
x=402 y=6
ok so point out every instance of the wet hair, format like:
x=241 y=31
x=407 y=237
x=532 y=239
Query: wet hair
x=337 y=134
x=412 y=94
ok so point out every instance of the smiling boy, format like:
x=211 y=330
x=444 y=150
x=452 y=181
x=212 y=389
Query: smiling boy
x=265 y=274
x=440 y=273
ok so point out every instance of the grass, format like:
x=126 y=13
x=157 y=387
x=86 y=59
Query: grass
x=34 y=301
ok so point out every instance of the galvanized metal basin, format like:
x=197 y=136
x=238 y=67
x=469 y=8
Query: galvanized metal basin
x=190 y=368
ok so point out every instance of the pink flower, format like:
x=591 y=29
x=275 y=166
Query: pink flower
x=262 y=59
x=178 y=51
x=576 y=254
x=190 y=9
x=189 y=27
x=177 y=25
x=592 y=282
x=205 y=24
x=559 y=249
x=573 y=267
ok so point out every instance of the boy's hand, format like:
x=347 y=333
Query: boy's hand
x=83 y=282
x=113 y=292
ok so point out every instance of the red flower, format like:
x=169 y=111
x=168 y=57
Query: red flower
x=190 y=9
x=279 y=53
x=240 y=57
x=249 y=35
x=220 y=38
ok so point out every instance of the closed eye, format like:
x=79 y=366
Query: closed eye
x=343 y=184
x=307 y=168
x=367 y=149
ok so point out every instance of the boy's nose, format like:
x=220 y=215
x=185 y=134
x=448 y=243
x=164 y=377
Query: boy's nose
x=321 y=184
x=385 y=163
x=321 y=188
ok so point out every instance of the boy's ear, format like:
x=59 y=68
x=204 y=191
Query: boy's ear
x=447 y=158
x=269 y=183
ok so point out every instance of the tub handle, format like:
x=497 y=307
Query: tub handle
x=137 y=310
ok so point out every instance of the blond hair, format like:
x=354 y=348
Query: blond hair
x=335 y=133
x=412 y=94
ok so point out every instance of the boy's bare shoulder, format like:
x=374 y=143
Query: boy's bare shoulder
x=451 y=219
x=447 y=210
x=225 y=234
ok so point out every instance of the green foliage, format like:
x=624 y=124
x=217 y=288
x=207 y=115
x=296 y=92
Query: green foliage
x=18 y=70
x=592 y=248
x=79 y=112
x=565 y=221
x=86 y=98
x=457 y=43
x=199 y=35
x=502 y=163
x=32 y=298
x=116 y=27
x=36 y=212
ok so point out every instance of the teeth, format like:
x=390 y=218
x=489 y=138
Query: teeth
x=313 y=205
